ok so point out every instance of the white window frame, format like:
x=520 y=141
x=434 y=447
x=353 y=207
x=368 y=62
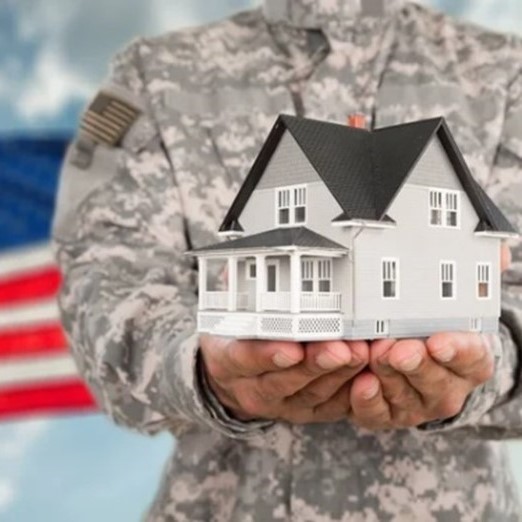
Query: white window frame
x=293 y=196
x=483 y=274
x=444 y=208
x=316 y=263
x=385 y=271
x=443 y=279
x=249 y=264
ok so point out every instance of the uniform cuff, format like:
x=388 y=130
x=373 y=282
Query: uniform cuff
x=187 y=391
x=485 y=397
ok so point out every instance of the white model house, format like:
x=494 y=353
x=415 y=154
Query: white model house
x=341 y=232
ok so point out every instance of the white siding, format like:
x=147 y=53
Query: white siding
x=420 y=249
x=434 y=169
x=288 y=166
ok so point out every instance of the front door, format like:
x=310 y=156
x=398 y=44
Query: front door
x=271 y=277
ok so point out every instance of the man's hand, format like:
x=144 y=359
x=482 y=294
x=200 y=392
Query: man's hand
x=283 y=380
x=415 y=382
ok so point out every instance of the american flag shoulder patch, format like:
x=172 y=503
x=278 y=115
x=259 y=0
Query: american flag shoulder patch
x=108 y=119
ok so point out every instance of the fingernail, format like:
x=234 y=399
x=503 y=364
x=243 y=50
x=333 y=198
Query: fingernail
x=371 y=392
x=411 y=363
x=328 y=361
x=444 y=354
x=282 y=360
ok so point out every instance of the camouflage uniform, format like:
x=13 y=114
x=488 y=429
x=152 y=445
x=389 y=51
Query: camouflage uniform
x=208 y=97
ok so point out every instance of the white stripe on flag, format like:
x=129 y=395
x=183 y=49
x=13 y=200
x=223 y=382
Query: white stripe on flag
x=37 y=370
x=23 y=259
x=45 y=312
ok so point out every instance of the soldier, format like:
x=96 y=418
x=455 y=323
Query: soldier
x=278 y=431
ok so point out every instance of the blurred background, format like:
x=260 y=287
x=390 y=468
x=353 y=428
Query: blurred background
x=53 y=55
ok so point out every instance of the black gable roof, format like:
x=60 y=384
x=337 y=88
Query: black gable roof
x=365 y=170
x=345 y=172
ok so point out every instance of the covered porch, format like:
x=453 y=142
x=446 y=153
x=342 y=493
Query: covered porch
x=302 y=274
x=295 y=283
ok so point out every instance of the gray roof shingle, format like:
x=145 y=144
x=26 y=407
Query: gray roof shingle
x=279 y=237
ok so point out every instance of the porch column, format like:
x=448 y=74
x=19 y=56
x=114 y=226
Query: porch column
x=232 y=284
x=202 y=282
x=295 y=282
x=260 y=280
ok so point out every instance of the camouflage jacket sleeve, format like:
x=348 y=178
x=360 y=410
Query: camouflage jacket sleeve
x=494 y=410
x=129 y=294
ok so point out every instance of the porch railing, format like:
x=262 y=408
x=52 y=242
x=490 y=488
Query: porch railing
x=219 y=301
x=278 y=301
x=275 y=301
x=324 y=301
x=215 y=300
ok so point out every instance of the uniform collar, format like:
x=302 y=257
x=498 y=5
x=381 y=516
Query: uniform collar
x=316 y=14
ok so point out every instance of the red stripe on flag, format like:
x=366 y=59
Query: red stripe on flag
x=30 y=286
x=31 y=341
x=59 y=397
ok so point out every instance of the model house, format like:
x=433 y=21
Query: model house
x=341 y=232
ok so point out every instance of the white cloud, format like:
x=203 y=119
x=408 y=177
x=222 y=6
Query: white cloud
x=16 y=442
x=7 y=495
x=18 y=438
x=77 y=38
x=52 y=85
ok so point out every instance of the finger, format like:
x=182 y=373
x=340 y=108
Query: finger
x=336 y=408
x=321 y=359
x=505 y=257
x=431 y=380
x=323 y=388
x=467 y=355
x=230 y=358
x=405 y=402
x=369 y=409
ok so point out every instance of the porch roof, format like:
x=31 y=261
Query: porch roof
x=300 y=237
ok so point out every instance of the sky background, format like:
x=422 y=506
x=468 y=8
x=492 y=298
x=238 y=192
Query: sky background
x=53 y=55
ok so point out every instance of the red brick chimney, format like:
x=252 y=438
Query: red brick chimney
x=357 y=120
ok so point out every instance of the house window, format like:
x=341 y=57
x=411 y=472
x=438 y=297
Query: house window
x=316 y=275
x=484 y=280
x=283 y=207
x=447 y=279
x=382 y=327
x=324 y=269
x=444 y=208
x=291 y=205
x=475 y=324
x=300 y=204
x=307 y=276
x=390 y=278
x=250 y=270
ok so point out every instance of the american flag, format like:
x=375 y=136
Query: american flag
x=37 y=372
